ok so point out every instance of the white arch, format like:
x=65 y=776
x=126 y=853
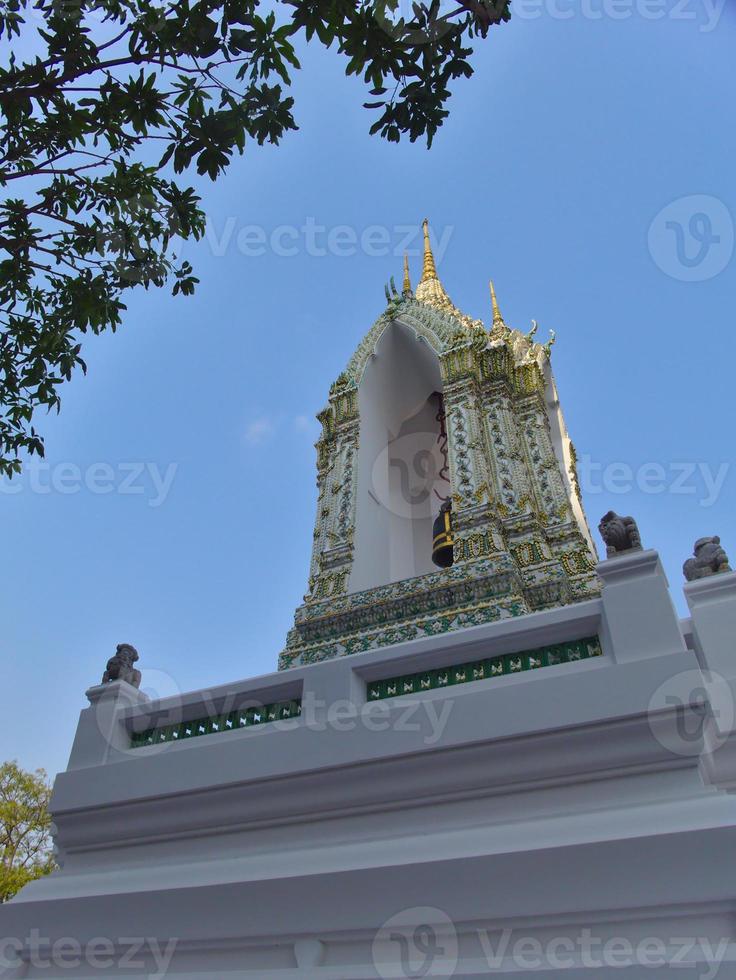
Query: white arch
x=398 y=459
x=438 y=329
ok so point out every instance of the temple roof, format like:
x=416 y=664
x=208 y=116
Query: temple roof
x=430 y=312
x=431 y=292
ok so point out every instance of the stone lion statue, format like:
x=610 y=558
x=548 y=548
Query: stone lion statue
x=120 y=667
x=709 y=558
x=619 y=534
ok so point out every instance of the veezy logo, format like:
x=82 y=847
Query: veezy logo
x=418 y=942
x=692 y=238
x=680 y=708
x=410 y=477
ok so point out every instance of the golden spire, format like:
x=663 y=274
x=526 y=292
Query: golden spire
x=429 y=269
x=407 y=278
x=431 y=291
x=498 y=320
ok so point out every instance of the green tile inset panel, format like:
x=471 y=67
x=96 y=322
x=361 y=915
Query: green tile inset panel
x=234 y=721
x=479 y=670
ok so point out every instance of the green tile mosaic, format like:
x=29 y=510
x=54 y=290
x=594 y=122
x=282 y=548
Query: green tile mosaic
x=234 y=721
x=479 y=670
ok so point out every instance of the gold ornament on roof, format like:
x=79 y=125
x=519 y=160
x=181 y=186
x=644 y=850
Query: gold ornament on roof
x=431 y=291
x=406 y=288
x=498 y=326
x=429 y=269
x=497 y=318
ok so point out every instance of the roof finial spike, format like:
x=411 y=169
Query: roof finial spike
x=498 y=319
x=494 y=303
x=429 y=269
x=406 y=289
x=430 y=290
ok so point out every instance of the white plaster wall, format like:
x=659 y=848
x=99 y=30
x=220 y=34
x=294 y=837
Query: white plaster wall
x=550 y=803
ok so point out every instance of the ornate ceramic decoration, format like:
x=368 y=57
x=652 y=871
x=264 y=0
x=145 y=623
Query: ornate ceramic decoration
x=484 y=670
x=522 y=541
x=233 y=721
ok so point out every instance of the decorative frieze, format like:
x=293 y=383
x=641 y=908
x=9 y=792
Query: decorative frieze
x=233 y=721
x=435 y=624
x=484 y=669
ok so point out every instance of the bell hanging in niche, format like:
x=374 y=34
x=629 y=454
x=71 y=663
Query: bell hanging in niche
x=442 y=542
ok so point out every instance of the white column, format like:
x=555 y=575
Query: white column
x=712 y=602
x=638 y=612
x=101 y=733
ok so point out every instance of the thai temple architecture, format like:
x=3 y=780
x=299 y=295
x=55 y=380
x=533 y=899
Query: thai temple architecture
x=486 y=751
x=428 y=380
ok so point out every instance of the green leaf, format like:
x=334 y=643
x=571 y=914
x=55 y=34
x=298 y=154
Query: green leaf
x=114 y=86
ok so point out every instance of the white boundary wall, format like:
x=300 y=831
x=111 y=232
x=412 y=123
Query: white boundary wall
x=574 y=820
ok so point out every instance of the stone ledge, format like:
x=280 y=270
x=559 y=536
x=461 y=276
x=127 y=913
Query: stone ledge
x=711 y=588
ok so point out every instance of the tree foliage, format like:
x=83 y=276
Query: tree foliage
x=120 y=96
x=25 y=828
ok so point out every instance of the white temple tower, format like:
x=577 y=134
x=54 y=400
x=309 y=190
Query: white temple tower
x=521 y=540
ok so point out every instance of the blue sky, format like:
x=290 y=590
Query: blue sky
x=552 y=175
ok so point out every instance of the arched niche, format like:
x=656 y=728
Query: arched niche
x=400 y=478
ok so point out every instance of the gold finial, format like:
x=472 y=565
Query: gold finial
x=407 y=278
x=429 y=269
x=430 y=290
x=497 y=317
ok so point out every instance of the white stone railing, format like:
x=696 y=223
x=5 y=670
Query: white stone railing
x=634 y=620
